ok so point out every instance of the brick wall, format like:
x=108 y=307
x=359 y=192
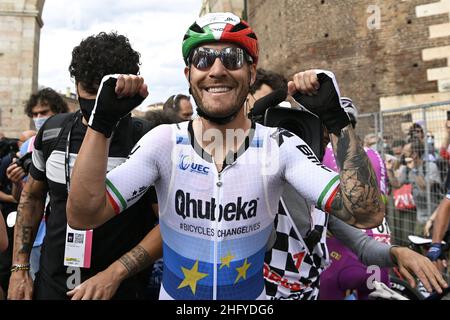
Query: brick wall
x=369 y=63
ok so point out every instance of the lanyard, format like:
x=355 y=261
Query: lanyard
x=67 y=153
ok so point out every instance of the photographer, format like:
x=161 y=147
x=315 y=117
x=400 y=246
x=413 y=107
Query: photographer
x=8 y=152
x=9 y=148
x=21 y=163
x=40 y=107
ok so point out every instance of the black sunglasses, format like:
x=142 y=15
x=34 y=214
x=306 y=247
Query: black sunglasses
x=231 y=58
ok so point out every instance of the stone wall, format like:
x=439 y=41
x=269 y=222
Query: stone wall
x=20 y=25
x=235 y=6
x=398 y=60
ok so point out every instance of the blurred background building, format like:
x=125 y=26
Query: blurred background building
x=20 y=27
x=385 y=54
x=238 y=7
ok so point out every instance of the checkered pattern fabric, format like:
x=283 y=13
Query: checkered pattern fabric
x=291 y=269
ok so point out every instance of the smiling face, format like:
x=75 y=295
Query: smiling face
x=220 y=92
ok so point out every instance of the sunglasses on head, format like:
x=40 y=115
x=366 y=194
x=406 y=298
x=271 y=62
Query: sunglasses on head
x=231 y=58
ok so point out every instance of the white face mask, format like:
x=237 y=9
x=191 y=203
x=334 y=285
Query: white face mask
x=39 y=122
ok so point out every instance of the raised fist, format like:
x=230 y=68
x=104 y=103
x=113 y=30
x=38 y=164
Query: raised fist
x=318 y=91
x=117 y=96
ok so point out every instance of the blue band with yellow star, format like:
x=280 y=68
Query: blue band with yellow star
x=186 y=279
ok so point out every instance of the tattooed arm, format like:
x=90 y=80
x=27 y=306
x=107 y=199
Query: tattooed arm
x=358 y=201
x=104 y=285
x=29 y=216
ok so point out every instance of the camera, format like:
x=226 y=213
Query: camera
x=25 y=162
x=8 y=146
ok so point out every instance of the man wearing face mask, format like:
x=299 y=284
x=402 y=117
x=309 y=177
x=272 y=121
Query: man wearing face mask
x=71 y=257
x=44 y=104
x=40 y=106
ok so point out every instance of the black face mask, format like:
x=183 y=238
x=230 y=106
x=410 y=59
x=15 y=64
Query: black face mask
x=86 y=105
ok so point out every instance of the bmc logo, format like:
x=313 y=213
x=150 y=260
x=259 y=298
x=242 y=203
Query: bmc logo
x=186 y=163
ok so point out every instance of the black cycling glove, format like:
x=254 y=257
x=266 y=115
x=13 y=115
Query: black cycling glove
x=327 y=103
x=109 y=109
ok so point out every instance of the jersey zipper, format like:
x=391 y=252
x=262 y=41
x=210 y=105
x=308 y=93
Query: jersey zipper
x=218 y=193
x=217 y=187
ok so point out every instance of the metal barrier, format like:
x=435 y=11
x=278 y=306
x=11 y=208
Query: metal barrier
x=391 y=127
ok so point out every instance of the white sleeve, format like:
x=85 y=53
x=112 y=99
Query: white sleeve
x=303 y=170
x=126 y=183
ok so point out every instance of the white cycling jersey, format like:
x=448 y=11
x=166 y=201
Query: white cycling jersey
x=215 y=225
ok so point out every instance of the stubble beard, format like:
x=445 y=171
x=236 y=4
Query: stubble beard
x=235 y=109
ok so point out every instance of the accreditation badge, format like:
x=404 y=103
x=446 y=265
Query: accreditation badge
x=78 y=248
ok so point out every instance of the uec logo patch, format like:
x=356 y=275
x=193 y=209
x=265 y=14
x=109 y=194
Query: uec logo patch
x=186 y=163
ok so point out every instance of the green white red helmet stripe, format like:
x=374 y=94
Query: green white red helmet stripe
x=219 y=27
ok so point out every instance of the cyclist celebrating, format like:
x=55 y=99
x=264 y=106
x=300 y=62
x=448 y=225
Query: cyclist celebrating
x=219 y=177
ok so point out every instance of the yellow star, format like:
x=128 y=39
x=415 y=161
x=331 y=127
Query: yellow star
x=226 y=260
x=191 y=277
x=242 y=271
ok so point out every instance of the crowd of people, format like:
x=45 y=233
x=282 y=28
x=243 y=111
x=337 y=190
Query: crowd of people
x=416 y=179
x=215 y=206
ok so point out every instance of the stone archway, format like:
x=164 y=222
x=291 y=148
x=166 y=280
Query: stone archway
x=20 y=27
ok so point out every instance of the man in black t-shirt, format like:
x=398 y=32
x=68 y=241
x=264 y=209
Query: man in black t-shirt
x=70 y=257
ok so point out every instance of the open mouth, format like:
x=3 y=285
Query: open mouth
x=218 y=89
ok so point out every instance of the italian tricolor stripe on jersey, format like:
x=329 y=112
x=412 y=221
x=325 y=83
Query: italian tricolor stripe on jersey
x=328 y=194
x=117 y=201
